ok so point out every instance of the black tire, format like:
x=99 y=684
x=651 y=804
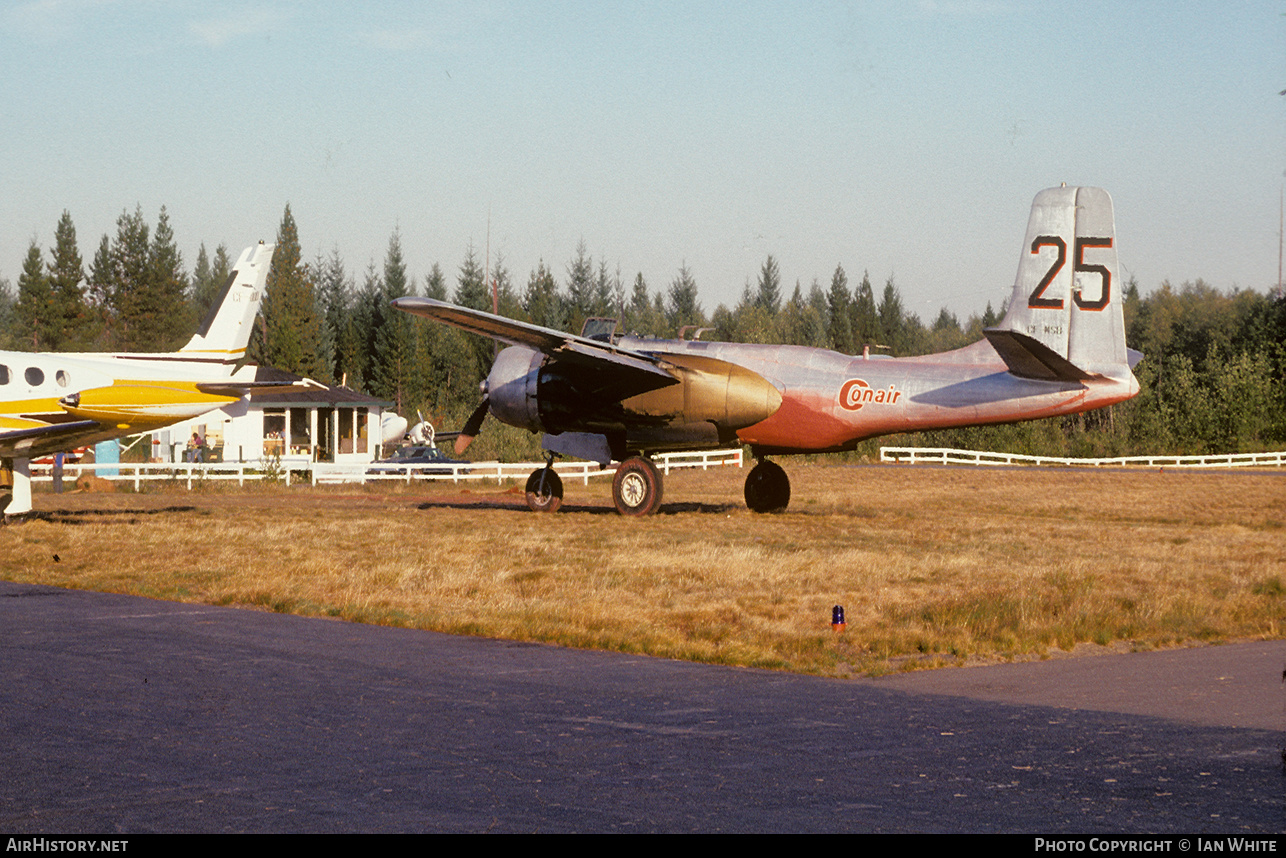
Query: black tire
x=544 y=490
x=636 y=488
x=767 y=488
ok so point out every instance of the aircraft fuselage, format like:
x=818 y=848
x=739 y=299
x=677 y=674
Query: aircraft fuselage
x=830 y=401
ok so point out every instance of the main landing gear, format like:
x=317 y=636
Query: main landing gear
x=767 y=487
x=636 y=488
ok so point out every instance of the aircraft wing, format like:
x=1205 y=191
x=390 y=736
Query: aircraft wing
x=41 y=439
x=563 y=346
x=250 y=388
x=113 y=411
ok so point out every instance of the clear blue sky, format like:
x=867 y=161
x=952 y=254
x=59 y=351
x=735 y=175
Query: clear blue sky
x=904 y=138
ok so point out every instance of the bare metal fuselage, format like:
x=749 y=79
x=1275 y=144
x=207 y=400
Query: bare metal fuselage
x=788 y=399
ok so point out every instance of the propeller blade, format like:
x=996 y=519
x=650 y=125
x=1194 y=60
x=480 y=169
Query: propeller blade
x=471 y=427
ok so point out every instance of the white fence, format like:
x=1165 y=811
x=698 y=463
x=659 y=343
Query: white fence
x=302 y=470
x=948 y=456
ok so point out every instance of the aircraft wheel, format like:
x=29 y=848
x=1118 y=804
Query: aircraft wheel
x=636 y=489
x=767 y=488
x=544 y=490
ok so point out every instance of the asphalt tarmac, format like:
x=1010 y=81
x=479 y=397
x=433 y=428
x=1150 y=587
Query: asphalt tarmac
x=126 y=715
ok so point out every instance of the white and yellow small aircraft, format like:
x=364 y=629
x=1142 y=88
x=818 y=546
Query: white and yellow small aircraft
x=53 y=402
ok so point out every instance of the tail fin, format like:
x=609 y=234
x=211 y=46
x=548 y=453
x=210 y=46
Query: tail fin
x=223 y=336
x=1065 y=321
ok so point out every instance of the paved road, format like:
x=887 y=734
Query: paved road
x=121 y=714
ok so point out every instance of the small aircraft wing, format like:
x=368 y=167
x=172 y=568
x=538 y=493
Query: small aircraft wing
x=560 y=345
x=250 y=388
x=40 y=439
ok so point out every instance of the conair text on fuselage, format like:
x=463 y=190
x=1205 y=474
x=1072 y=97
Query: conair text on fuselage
x=855 y=393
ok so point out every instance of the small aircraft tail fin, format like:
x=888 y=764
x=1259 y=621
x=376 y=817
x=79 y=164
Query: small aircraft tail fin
x=1065 y=320
x=225 y=333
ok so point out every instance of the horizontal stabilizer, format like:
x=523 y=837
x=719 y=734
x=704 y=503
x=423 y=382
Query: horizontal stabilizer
x=1029 y=358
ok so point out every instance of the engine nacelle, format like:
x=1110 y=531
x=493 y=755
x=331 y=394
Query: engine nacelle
x=512 y=387
x=709 y=401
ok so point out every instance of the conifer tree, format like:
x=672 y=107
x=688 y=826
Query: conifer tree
x=6 y=316
x=838 y=306
x=99 y=286
x=291 y=326
x=435 y=286
x=34 y=312
x=471 y=286
x=866 y=322
x=334 y=304
x=541 y=299
x=129 y=307
x=580 y=285
x=769 y=297
x=506 y=296
x=682 y=307
x=640 y=316
x=892 y=323
x=392 y=367
x=70 y=327
x=365 y=312
x=168 y=311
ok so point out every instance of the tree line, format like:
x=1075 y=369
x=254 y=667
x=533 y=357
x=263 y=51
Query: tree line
x=1213 y=375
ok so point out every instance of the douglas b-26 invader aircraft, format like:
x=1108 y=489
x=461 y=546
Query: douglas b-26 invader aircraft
x=51 y=402
x=1059 y=350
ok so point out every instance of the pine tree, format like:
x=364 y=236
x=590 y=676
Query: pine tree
x=866 y=322
x=394 y=338
x=892 y=326
x=101 y=282
x=506 y=295
x=838 y=305
x=541 y=300
x=334 y=305
x=70 y=326
x=580 y=285
x=291 y=326
x=34 y=312
x=129 y=308
x=170 y=312
x=609 y=294
x=769 y=297
x=435 y=286
x=471 y=286
x=7 y=302
x=682 y=307
x=200 y=276
x=365 y=312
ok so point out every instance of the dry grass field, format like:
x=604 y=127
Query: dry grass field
x=934 y=566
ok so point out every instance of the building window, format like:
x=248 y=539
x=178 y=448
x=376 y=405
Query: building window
x=274 y=431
